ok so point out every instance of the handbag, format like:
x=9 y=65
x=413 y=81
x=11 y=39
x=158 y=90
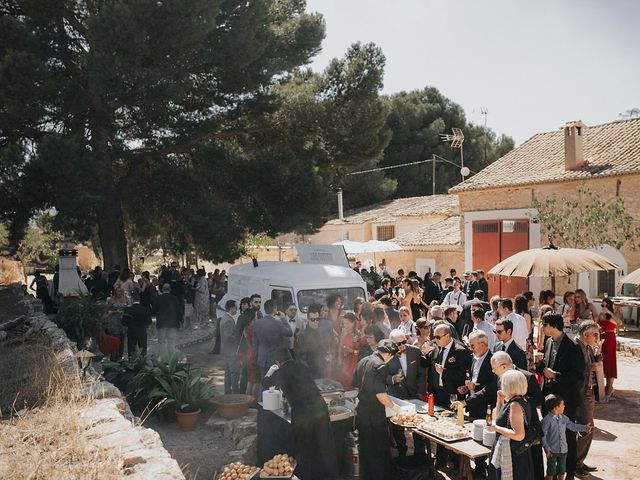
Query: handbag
x=531 y=437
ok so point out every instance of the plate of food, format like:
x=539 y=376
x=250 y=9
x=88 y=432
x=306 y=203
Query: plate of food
x=237 y=471
x=280 y=466
x=446 y=413
x=446 y=430
x=409 y=420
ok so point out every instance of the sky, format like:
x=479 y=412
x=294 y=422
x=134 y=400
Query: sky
x=532 y=64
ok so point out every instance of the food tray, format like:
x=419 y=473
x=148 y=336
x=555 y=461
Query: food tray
x=257 y=476
x=445 y=439
x=252 y=475
x=402 y=424
x=339 y=413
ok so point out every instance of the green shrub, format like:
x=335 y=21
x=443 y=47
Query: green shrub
x=80 y=317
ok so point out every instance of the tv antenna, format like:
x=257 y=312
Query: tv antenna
x=457 y=139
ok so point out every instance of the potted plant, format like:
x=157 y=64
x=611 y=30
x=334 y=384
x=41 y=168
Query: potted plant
x=184 y=392
x=146 y=383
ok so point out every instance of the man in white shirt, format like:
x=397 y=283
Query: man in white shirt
x=455 y=296
x=481 y=325
x=520 y=333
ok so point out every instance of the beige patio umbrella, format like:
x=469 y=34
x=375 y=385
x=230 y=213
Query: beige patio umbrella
x=633 y=278
x=552 y=261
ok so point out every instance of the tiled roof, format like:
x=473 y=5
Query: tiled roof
x=444 y=232
x=388 y=210
x=610 y=149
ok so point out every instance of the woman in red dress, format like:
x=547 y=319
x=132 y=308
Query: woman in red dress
x=608 y=330
x=348 y=347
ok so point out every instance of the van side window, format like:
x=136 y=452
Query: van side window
x=282 y=298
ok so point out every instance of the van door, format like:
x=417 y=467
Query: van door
x=282 y=296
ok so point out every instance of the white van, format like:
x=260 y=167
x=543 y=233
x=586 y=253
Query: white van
x=302 y=284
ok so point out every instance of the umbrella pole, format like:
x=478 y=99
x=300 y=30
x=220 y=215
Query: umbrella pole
x=553 y=284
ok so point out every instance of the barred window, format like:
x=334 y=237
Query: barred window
x=386 y=232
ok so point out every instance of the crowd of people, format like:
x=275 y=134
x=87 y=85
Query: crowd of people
x=177 y=297
x=410 y=338
x=514 y=356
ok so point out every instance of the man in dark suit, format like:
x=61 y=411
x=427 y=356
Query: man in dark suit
x=480 y=375
x=450 y=367
x=467 y=307
x=483 y=284
x=563 y=370
x=432 y=288
x=402 y=382
x=268 y=337
x=504 y=330
x=500 y=363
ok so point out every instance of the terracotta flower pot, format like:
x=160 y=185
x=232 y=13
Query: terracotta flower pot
x=232 y=406
x=188 y=420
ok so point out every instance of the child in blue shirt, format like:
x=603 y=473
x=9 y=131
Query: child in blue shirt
x=554 y=440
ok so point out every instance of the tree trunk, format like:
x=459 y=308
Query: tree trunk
x=111 y=232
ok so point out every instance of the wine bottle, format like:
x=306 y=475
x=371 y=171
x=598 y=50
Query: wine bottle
x=489 y=417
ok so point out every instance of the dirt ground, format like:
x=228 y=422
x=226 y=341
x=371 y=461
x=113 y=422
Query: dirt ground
x=613 y=452
x=201 y=452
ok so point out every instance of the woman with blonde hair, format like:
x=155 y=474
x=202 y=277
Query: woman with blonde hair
x=584 y=310
x=511 y=425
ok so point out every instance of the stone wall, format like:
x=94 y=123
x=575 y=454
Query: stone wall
x=108 y=419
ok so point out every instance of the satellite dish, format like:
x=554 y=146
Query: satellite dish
x=464 y=171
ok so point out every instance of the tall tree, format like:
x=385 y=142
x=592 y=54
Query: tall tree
x=417 y=119
x=184 y=118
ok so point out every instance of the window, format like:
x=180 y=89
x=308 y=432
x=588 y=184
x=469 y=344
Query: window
x=481 y=227
x=307 y=297
x=607 y=283
x=282 y=298
x=386 y=232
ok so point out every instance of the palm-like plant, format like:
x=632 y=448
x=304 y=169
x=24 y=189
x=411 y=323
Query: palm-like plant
x=170 y=383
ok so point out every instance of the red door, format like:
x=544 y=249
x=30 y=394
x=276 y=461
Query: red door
x=495 y=240
x=514 y=238
x=486 y=251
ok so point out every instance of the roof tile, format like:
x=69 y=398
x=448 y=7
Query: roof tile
x=444 y=232
x=610 y=149
x=387 y=211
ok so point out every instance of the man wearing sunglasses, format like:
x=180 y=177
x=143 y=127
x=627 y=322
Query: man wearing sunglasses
x=402 y=382
x=448 y=370
x=312 y=344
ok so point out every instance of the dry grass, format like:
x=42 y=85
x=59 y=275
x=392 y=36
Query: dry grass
x=48 y=442
x=25 y=371
x=10 y=271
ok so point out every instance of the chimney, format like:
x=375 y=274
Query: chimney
x=574 y=145
x=340 y=207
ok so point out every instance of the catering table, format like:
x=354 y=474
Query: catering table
x=467 y=449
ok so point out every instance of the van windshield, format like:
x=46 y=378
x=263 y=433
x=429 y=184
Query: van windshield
x=349 y=294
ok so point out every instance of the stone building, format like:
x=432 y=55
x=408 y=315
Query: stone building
x=427 y=228
x=496 y=203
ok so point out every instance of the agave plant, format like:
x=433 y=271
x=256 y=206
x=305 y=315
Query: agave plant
x=185 y=392
x=170 y=383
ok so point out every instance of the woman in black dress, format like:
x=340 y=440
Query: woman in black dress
x=511 y=426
